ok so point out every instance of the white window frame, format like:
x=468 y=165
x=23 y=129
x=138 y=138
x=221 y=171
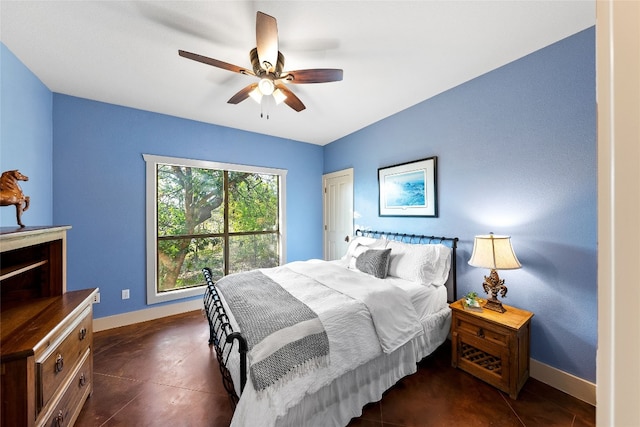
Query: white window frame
x=152 y=161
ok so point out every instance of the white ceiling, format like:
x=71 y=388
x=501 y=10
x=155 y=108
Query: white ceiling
x=394 y=54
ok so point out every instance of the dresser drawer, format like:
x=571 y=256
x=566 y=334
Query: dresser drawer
x=57 y=363
x=65 y=411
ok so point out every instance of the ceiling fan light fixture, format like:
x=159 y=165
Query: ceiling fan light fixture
x=266 y=86
x=279 y=96
x=268 y=66
x=256 y=95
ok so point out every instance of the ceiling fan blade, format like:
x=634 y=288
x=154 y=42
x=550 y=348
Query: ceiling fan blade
x=267 y=41
x=318 y=75
x=243 y=94
x=215 y=62
x=291 y=100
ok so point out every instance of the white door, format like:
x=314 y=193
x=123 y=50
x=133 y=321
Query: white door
x=338 y=212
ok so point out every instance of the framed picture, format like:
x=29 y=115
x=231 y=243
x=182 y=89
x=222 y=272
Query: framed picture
x=408 y=189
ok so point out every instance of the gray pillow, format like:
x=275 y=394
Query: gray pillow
x=374 y=262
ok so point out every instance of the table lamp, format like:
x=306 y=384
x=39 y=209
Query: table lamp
x=495 y=253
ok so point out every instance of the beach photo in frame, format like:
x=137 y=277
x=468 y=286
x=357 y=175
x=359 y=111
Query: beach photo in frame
x=408 y=189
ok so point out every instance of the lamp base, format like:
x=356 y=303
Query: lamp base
x=495 y=305
x=493 y=285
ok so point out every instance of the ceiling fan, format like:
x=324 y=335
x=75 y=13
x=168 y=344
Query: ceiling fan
x=268 y=64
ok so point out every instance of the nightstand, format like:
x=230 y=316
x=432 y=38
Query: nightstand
x=492 y=346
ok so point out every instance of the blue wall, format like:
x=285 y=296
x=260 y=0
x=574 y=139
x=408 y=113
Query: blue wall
x=516 y=155
x=99 y=188
x=26 y=140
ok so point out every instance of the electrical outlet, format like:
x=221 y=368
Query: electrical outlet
x=96 y=298
x=125 y=294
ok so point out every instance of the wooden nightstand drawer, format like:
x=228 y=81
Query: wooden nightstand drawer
x=483 y=330
x=59 y=362
x=492 y=346
x=67 y=408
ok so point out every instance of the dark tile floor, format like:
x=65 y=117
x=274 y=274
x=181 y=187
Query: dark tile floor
x=164 y=373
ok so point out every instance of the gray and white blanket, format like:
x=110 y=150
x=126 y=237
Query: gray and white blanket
x=285 y=337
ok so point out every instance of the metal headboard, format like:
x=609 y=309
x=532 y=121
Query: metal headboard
x=452 y=242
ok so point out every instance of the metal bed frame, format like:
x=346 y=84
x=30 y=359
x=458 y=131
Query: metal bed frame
x=225 y=339
x=452 y=242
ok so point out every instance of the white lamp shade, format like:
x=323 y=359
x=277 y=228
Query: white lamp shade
x=279 y=96
x=266 y=86
x=256 y=95
x=494 y=252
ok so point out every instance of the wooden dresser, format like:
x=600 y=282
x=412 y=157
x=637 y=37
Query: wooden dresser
x=46 y=335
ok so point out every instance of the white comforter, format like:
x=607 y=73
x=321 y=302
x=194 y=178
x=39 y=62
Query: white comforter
x=359 y=329
x=394 y=316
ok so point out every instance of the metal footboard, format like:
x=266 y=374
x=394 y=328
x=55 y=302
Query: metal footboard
x=223 y=338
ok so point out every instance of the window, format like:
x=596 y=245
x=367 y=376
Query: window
x=206 y=214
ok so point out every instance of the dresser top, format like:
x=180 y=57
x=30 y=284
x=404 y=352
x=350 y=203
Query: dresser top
x=26 y=325
x=16 y=232
x=16 y=237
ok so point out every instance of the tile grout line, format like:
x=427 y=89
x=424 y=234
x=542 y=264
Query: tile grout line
x=159 y=383
x=186 y=388
x=120 y=410
x=506 y=400
x=142 y=392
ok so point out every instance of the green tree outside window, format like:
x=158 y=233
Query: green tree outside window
x=225 y=220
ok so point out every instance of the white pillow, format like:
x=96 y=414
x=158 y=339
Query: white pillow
x=426 y=264
x=359 y=250
x=367 y=242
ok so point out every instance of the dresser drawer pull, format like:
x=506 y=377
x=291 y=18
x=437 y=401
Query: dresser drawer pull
x=481 y=333
x=83 y=380
x=59 y=419
x=83 y=333
x=59 y=363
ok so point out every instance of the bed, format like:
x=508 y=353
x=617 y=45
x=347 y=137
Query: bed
x=311 y=342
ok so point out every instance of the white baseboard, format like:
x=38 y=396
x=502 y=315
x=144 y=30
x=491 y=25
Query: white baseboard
x=563 y=381
x=124 y=319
